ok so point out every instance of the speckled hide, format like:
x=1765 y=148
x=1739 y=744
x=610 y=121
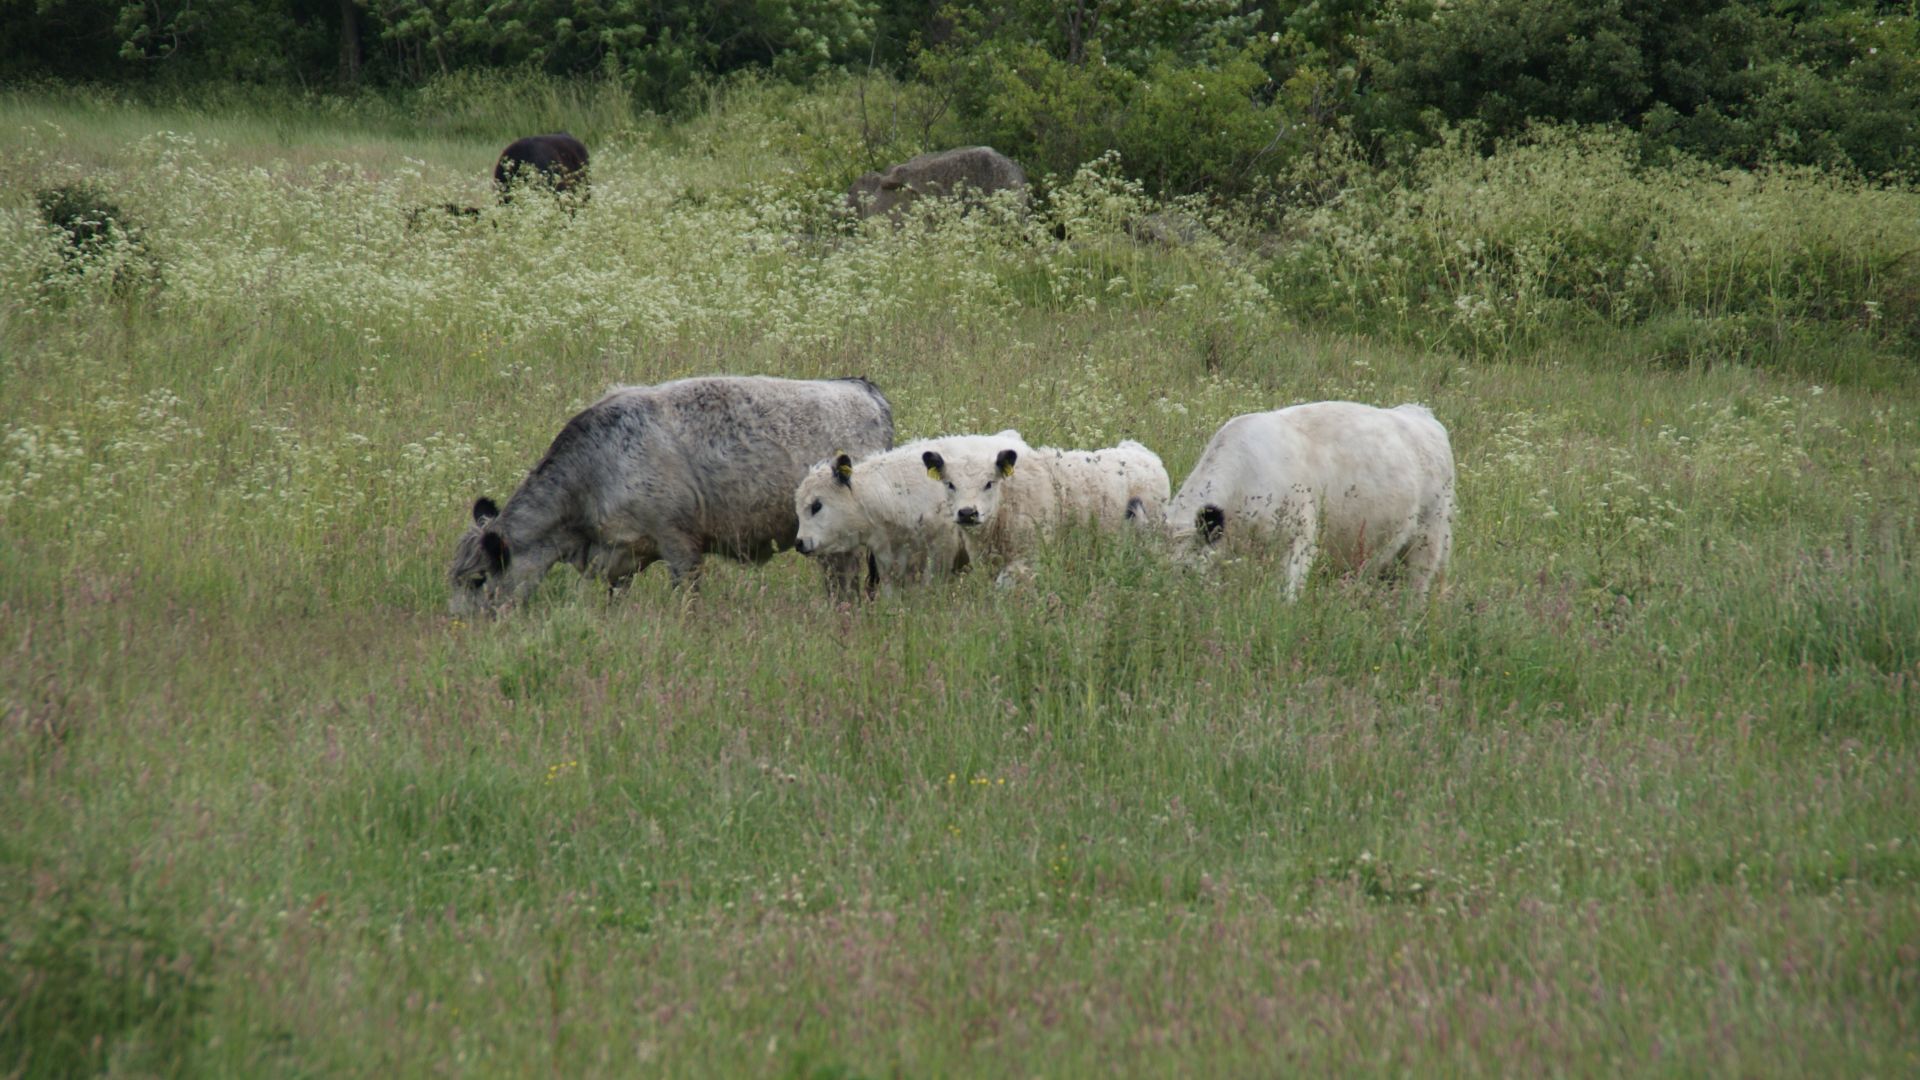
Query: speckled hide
x=1368 y=490
x=670 y=473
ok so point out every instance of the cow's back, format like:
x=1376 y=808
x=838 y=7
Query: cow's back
x=744 y=443
x=558 y=158
x=1098 y=485
x=979 y=169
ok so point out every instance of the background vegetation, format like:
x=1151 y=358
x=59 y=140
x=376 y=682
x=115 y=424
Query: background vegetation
x=1637 y=792
x=1214 y=96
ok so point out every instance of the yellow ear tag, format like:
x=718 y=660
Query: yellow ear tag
x=1006 y=470
x=935 y=473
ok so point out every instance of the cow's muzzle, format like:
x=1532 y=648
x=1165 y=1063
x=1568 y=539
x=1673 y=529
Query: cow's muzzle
x=805 y=547
x=968 y=516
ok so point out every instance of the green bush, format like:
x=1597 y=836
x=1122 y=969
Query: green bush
x=1848 y=96
x=1216 y=124
x=1735 y=82
x=1203 y=128
x=1046 y=113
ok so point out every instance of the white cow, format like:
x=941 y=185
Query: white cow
x=888 y=504
x=1012 y=495
x=1371 y=488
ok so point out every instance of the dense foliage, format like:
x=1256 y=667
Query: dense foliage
x=1199 y=95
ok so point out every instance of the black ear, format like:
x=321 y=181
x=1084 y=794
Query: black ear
x=499 y=557
x=936 y=465
x=1005 y=462
x=843 y=470
x=1212 y=522
x=484 y=511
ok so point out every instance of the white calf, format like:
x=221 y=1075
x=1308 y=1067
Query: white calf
x=1371 y=488
x=1012 y=494
x=887 y=504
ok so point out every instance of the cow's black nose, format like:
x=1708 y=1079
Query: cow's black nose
x=969 y=516
x=803 y=547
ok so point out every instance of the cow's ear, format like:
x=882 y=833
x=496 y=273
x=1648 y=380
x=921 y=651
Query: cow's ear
x=499 y=556
x=936 y=465
x=1005 y=461
x=843 y=470
x=484 y=511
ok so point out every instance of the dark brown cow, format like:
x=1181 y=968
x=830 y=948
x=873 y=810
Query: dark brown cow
x=557 y=161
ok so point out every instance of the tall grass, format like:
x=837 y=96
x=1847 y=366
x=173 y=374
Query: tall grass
x=1569 y=230
x=1636 y=792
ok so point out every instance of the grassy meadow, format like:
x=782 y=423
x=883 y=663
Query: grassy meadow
x=1639 y=791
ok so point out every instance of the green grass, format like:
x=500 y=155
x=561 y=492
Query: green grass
x=1636 y=792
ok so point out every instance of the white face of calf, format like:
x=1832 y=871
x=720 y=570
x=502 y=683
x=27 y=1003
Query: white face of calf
x=975 y=483
x=832 y=519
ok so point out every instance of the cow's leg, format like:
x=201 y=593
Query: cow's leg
x=621 y=570
x=1300 y=555
x=844 y=574
x=1431 y=549
x=927 y=563
x=896 y=567
x=614 y=563
x=1387 y=561
x=1302 y=529
x=946 y=556
x=682 y=555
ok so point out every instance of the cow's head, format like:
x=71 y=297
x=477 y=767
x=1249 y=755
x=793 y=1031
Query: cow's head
x=976 y=480
x=833 y=519
x=480 y=563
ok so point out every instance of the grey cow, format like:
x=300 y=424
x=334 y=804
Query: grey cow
x=979 y=169
x=670 y=472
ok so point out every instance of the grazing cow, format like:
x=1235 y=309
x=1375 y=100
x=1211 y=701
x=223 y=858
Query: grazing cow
x=977 y=171
x=1007 y=495
x=885 y=504
x=557 y=161
x=670 y=472
x=1370 y=488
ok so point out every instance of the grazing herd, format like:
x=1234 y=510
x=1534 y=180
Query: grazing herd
x=745 y=467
